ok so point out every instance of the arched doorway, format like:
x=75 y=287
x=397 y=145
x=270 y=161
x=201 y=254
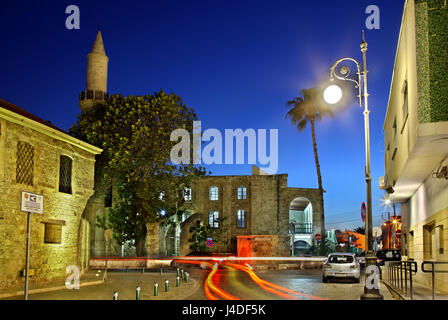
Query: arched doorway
x=301 y=245
x=170 y=241
x=301 y=225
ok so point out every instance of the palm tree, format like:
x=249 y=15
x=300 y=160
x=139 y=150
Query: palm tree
x=310 y=109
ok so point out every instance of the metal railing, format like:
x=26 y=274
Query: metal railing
x=399 y=273
x=433 y=271
x=303 y=228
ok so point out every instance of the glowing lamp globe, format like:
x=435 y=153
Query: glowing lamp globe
x=332 y=94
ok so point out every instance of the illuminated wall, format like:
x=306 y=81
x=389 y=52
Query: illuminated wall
x=57 y=235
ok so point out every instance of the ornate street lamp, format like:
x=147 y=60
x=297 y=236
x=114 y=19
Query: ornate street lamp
x=332 y=95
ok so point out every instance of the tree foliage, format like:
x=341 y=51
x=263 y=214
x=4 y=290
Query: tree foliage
x=134 y=133
x=309 y=109
x=200 y=234
x=360 y=230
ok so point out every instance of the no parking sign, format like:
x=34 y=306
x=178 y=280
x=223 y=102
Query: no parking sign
x=209 y=242
x=363 y=212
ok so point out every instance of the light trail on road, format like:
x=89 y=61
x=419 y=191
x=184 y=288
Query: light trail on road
x=263 y=283
x=211 y=285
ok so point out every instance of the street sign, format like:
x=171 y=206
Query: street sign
x=363 y=212
x=398 y=233
x=108 y=234
x=30 y=203
x=33 y=203
x=318 y=237
x=209 y=243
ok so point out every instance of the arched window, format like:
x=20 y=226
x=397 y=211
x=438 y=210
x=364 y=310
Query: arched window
x=242 y=192
x=213 y=219
x=213 y=193
x=241 y=218
x=187 y=194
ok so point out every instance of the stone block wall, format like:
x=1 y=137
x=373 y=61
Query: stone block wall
x=49 y=260
x=267 y=209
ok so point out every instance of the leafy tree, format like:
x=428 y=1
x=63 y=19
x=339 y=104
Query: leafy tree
x=200 y=233
x=309 y=109
x=134 y=133
x=360 y=230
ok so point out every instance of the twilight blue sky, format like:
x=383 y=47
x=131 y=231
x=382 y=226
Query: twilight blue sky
x=235 y=62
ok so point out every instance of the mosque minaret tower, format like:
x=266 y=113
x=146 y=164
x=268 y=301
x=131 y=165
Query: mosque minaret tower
x=96 y=80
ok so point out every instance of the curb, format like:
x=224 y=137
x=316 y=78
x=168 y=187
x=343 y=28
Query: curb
x=195 y=287
x=393 y=291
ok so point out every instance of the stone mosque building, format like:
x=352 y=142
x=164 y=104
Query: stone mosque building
x=257 y=207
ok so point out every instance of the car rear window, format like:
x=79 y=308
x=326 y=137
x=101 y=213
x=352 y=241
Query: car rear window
x=340 y=259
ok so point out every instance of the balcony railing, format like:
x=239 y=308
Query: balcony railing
x=301 y=228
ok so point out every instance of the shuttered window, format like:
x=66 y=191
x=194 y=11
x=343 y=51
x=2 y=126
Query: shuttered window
x=65 y=174
x=25 y=163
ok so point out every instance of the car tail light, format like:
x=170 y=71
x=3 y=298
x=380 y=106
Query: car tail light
x=353 y=266
x=378 y=260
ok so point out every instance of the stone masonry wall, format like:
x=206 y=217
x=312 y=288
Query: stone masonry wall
x=267 y=207
x=47 y=260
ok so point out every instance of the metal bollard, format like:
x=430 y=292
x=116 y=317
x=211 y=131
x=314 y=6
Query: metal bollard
x=177 y=281
x=115 y=295
x=182 y=273
x=187 y=276
x=137 y=293
x=167 y=284
x=178 y=272
x=156 y=289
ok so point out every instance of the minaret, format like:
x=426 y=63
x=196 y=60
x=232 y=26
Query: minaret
x=96 y=84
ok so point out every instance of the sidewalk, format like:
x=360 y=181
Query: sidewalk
x=88 y=279
x=125 y=284
x=419 y=292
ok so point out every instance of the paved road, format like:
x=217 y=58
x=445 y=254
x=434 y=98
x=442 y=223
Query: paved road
x=232 y=282
x=308 y=282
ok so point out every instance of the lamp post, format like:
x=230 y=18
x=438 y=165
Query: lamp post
x=333 y=95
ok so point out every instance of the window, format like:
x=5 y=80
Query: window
x=53 y=233
x=405 y=104
x=185 y=216
x=340 y=259
x=393 y=155
x=65 y=174
x=242 y=193
x=394 y=127
x=162 y=196
x=410 y=245
x=213 y=219
x=213 y=193
x=108 y=198
x=241 y=219
x=429 y=243
x=187 y=194
x=25 y=163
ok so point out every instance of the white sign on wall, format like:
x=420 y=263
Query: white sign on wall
x=31 y=202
